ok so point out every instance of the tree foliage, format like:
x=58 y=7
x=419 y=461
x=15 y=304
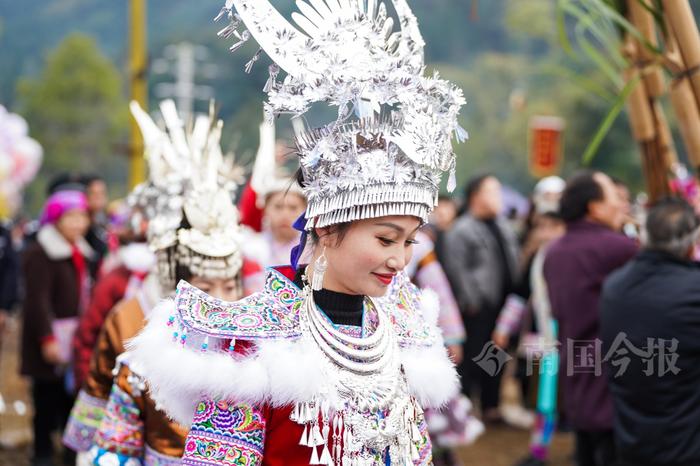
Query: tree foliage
x=76 y=109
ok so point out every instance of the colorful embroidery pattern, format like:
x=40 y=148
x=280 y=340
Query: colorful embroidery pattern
x=225 y=434
x=121 y=430
x=268 y=314
x=402 y=303
x=85 y=418
x=153 y=458
x=425 y=448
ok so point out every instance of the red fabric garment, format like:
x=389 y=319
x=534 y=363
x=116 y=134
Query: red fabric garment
x=251 y=215
x=282 y=439
x=250 y=267
x=81 y=275
x=109 y=290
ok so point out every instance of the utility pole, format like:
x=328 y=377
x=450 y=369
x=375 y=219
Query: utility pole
x=138 y=80
x=183 y=61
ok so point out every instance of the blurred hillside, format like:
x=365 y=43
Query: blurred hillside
x=503 y=53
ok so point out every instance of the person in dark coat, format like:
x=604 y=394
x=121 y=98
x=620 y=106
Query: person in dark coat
x=574 y=270
x=96 y=236
x=56 y=279
x=650 y=326
x=9 y=270
x=481 y=259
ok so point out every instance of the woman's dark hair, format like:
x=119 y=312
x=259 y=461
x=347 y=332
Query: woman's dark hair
x=581 y=189
x=339 y=229
x=182 y=272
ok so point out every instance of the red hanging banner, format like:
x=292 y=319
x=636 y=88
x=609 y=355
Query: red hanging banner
x=546 y=145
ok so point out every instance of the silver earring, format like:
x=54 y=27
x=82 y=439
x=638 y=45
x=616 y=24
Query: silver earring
x=320 y=267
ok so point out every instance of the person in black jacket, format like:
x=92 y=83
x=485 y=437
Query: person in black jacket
x=650 y=327
x=9 y=271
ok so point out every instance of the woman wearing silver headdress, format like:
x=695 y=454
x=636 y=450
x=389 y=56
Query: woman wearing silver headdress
x=193 y=231
x=332 y=363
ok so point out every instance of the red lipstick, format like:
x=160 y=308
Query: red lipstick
x=385 y=278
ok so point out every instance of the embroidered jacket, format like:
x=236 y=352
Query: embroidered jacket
x=257 y=390
x=114 y=419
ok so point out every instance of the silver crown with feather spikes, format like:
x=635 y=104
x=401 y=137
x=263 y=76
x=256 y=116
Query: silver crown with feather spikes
x=391 y=141
x=189 y=179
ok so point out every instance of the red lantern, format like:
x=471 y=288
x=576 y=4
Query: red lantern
x=546 y=144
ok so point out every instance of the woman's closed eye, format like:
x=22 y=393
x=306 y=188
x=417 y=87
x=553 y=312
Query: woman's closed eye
x=385 y=241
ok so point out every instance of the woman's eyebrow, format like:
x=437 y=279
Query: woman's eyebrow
x=390 y=225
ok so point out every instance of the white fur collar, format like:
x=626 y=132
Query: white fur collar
x=56 y=246
x=280 y=372
x=149 y=294
x=137 y=257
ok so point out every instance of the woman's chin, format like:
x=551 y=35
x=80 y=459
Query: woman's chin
x=376 y=291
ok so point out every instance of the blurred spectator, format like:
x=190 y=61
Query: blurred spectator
x=650 y=324
x=481 y=257
x=95 y=190
x=453 y=426
x=574 y=269
x=9 y=272
x=97 y=199
x=56 y=280
x=129 y=266
x=630 y=226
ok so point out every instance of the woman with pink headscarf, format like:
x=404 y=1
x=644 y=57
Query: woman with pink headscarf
x=57 y=284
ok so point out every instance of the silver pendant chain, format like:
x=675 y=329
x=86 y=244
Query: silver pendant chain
x=373 y=410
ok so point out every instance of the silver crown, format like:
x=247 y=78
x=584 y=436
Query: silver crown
x=390 y=142
x=189 y=179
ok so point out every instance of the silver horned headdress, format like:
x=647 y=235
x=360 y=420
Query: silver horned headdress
x=385 y=152
x=188 y=197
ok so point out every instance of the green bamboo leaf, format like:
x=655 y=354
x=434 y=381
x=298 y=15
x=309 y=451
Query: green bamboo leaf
x=590 y=21
x=561 y=28
x=581 y=80
x=613 y=15
x=595 y=56
x=608 y=121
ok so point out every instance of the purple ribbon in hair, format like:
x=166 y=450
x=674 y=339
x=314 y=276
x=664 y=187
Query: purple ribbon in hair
x=299 y=225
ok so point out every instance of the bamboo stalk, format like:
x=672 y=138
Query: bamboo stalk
x=665 y=139
x=683 y=100
x=640 y=113
x=688 y=117
x=680 y=17
x=643 y=20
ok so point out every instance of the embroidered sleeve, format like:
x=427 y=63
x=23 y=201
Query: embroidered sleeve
x=511 y=315
x=432 y=276
x=225 y=434
x=85 y=418
x=424 y=445
x=120 y=438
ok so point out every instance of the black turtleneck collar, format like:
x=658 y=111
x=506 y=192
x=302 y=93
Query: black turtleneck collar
x=341 y=308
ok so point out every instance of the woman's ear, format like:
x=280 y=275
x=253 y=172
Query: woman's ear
x=323 y=235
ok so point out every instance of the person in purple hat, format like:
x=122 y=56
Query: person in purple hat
x=57 y=284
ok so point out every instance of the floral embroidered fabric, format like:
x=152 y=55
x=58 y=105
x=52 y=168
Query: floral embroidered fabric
x=273 y=313
x=226 y=434
x=121 y=430
x=85 y=418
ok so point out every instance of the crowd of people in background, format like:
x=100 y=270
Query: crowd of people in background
x=582 y=280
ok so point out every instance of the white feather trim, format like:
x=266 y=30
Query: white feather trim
x=137 y=257
x=279 y=372
x=431 y=375
x=430 y=306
